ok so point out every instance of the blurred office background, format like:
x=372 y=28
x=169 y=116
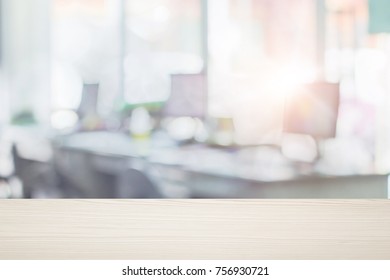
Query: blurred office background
x=194 y=98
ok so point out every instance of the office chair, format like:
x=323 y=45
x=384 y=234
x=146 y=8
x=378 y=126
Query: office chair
x=41 y=179
x=134 y=183
x=35 y=175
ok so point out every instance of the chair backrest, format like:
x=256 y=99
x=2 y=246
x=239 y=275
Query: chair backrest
x=76 y=167
x=19 y=163
x=135 y=184
x=35 y=175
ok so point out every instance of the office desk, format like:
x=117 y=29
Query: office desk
x=240 y=174
x=205 y=172
x=208 y=185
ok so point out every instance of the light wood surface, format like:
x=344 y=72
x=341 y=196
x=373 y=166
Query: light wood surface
x=194 y=229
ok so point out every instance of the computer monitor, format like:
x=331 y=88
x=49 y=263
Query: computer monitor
x=89 y=100
x=188 y=96
x=313 y=110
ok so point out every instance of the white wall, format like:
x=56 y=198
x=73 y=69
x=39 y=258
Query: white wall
x=26 y=52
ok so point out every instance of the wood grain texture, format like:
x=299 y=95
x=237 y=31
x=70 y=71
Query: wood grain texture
x=194 y=229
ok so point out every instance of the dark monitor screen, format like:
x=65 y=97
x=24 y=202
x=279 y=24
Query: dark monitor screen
x=188 y=96
x=313 y=110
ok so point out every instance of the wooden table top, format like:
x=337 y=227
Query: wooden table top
x=195 y=229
